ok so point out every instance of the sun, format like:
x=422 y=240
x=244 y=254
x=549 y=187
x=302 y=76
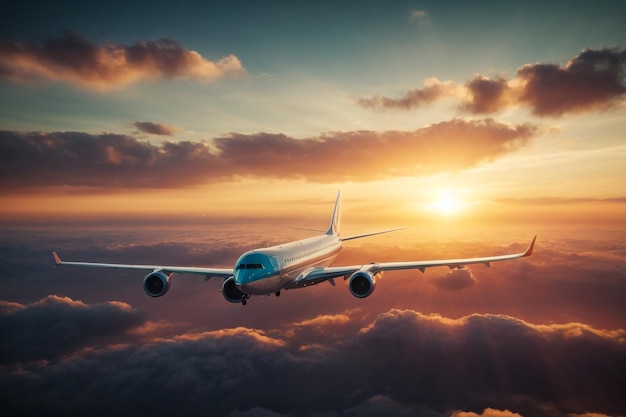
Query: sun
x=447 y=204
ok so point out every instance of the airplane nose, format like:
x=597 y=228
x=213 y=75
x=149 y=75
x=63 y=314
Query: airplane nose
x=240 y=278
x=245 y=276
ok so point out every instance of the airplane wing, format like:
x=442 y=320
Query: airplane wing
x=207 y=272
x=317 y=275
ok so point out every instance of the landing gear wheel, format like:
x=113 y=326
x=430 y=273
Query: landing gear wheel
x=277 y=293
x=244 y=299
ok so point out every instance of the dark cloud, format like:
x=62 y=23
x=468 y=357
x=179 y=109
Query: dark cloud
x=75 y=60
x=486 y=95
x=592 y=80
x=56 y=326
x=257 y=412
x=489 y=356
x=381 y=406
x=156 y=128
x=106 y=160
x=37 y=159
x=401 y=363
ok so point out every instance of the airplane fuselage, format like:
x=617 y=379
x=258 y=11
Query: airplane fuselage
x=265 y=271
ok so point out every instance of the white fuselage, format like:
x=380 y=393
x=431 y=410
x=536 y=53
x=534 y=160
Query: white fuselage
x=267 y=270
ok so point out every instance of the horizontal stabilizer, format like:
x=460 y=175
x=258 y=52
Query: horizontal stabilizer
x=373 y=234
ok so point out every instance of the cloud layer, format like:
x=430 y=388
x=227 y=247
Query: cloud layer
x=57 y=326
x=536 y=337
x=592 y=80
x=72 y=59
x=109 y=160
x=401 y=363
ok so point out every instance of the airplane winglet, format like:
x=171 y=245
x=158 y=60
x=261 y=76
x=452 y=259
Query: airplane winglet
x=57 y=260
x=530 y=249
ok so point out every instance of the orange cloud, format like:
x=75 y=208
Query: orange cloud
x=367 y=155
x=37 y=159
x=324 y=320
x=72 y=59
x=257 y=336
x=454 y=280
x=489 y=412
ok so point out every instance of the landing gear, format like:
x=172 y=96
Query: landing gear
x=244 y=299
x=277 y=293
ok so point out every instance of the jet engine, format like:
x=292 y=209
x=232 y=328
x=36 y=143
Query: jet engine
x=363 y=282
x=156 y=283
x=231 y=292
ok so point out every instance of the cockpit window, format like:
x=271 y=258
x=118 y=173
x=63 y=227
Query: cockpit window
x=250 y=266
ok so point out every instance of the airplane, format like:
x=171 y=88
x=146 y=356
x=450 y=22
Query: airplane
x=298 y=264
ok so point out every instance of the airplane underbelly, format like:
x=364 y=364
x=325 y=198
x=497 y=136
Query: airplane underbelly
x=263 y=286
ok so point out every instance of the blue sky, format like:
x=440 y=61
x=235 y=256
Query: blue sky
x=305 y=61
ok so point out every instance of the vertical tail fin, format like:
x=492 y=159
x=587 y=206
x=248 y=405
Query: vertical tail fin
x=335 y=221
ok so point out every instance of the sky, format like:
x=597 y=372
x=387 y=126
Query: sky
x=188 y=133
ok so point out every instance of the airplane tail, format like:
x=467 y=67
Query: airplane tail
x=335 y=221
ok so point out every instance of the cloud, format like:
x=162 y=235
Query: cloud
x=57 y=326
x=105 y=160
x=418 y=14
x=419 y=17
x=39 y=159
x=401 y=363
x=480 y=356
x=433 y=90
x=382 y=406
x=486 y=95
x=257 y=412
x=156 y=128
x=489 y=412
x=454 y=280
x=592 y=80
x=320 y=332
x=72 y=59
x=446 y=146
